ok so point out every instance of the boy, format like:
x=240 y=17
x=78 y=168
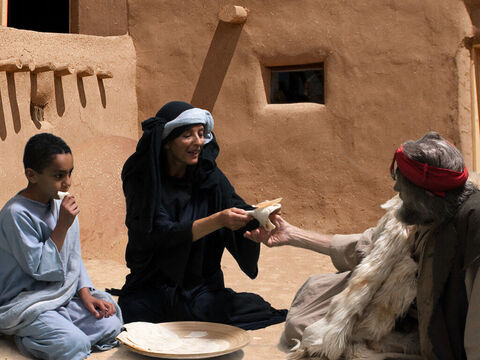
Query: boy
x=47 y=300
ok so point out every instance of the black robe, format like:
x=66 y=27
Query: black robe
x=456 y=247
x=172 y=278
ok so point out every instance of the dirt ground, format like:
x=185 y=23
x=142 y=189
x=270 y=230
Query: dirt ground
x=281 y=272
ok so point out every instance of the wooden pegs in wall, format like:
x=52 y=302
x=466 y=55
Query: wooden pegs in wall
x=104 y=74
x=63 y=70
x=48 y=66
x=85 y=71
x=233 y=14
x=27 y=66
x=11 y=65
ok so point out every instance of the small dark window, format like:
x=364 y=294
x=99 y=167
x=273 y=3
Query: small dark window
x=294 y=84
x=37 y=15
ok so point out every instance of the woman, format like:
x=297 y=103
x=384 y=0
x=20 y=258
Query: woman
x=182 y=212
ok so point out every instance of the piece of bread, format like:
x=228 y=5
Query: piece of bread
x=62 y=194
x=263 y=210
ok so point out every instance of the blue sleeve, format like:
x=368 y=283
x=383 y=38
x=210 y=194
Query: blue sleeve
x=84 y=279
x=38 y=257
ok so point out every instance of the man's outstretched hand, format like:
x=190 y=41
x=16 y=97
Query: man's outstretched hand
x=276 y=237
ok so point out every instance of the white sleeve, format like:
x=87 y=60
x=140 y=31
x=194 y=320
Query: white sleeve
x=84 y=278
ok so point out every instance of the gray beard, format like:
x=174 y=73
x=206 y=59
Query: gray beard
x=411 y=216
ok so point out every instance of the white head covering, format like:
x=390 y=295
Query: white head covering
x=190 y=117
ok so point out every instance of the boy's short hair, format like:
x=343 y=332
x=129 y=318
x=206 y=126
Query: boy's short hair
x=41 y=149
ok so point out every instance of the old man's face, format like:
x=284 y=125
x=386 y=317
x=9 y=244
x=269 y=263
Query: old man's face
x=419 y=206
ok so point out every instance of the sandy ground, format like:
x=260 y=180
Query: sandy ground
x=281 y=272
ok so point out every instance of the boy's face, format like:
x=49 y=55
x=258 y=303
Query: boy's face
x=55 y=177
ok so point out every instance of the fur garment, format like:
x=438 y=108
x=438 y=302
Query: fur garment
x=359 y=320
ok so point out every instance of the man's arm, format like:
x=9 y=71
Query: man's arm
x=287 y=234
x=346 y=251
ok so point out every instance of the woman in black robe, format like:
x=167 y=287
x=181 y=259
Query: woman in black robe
x=182 y=212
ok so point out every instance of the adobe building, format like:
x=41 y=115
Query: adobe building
x=310 y=97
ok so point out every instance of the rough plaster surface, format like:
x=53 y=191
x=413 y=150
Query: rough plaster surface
x=98 y=17
x=98 y=187
x=392 y=73
x=81 y=111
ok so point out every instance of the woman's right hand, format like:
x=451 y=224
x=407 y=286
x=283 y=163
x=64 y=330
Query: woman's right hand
x=233 y=218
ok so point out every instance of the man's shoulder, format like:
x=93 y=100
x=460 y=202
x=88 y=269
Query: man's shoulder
x=472 y=204
x=468 y=222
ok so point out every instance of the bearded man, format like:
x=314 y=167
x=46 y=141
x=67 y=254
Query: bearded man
x=439 y=213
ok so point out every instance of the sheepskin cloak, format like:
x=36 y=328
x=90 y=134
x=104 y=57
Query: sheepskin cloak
x=445 y=254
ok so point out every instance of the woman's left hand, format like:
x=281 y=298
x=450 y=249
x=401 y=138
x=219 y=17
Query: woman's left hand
x=98 y=307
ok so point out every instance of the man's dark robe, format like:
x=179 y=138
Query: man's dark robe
x=173 y=278
x=450 y=250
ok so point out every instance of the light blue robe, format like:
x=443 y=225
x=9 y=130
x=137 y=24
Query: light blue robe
x=38 y=285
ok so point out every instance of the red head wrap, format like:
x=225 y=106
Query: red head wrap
x=431 y=178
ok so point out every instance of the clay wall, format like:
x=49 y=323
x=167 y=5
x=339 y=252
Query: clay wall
x=394 y=70
x=98 y=17
x=96 y=117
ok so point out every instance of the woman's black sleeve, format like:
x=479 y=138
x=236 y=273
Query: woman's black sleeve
x=244 y=251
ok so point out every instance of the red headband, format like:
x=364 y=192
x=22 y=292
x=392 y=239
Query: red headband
x=434 y=179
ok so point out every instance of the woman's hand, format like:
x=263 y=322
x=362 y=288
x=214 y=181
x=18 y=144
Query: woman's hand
x=233 y=218
x=277 y=237
x=98 y=307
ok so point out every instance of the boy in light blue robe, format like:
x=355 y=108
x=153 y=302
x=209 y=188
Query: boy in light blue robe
x=47 y=300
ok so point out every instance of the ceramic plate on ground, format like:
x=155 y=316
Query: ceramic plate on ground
x=183 y=339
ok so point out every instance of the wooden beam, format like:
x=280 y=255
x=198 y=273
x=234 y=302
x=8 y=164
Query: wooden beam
x=233 y=14
x=85 y=71
x=104 y=74
x=11 y=65
x=4 y=12
x=475 y=81
x=48 y=66
x=64 y=70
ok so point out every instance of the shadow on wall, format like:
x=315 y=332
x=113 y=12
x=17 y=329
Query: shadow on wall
x=216 y=65
x=39 y=95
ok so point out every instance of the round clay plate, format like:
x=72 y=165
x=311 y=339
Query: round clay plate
x=236 y=337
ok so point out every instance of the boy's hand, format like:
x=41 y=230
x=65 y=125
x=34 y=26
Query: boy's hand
x=98 y=307
x=68 y=211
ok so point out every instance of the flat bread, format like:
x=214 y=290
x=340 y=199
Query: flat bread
x=267 y=203
x=62 y=194
x=262 y=214
x=156 y=338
